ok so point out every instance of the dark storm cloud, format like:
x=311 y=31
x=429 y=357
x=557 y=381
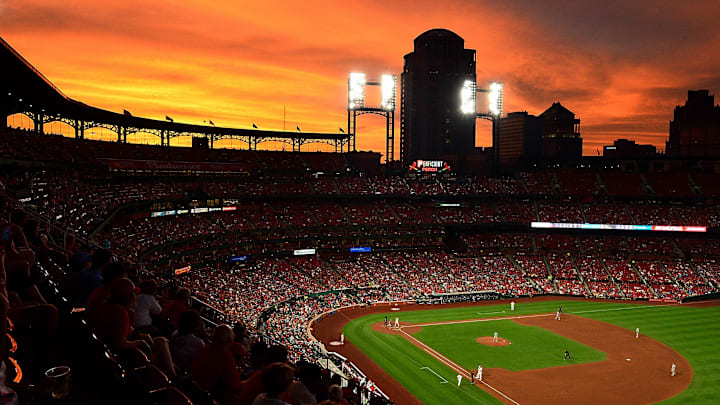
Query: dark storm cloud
x=633 y=29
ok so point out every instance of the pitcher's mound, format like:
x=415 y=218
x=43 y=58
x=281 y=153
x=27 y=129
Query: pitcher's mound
x=488 y=341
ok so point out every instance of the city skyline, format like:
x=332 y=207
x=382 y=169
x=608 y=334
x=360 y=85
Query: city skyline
x=620 y=66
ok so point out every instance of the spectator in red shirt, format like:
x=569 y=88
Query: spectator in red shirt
x=276 y=379
x=176 y=307
x=253 y=386
x=112 y=323
x=215 y=368
x=101 y=294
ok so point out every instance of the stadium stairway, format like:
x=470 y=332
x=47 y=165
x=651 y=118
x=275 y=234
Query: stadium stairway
x=643 y=279
x=675 y=280
x=707 y=281
x=517 y=265
x=573 y=259
x=612 y=278
x=550 y=273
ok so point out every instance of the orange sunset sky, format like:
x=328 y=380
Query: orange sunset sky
x=621 y=66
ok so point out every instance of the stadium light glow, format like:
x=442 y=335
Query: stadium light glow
x=468 y=97
x=356 y=91
x=388 y=88
x=495 y=99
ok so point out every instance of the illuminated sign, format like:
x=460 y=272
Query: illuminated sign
x=449 y=205
x=202 y=210
x=619 y=227
x=364 y=249
x=429 y=166
x=237 y=259
x=155 y=214
x=182 y=270
x=301 y=252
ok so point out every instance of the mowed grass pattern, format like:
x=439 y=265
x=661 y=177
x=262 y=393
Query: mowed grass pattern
x=693 y=332
x=531 y=348
x=406 y=363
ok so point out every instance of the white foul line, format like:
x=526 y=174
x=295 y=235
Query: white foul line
x=451 y=364
x=444 y=381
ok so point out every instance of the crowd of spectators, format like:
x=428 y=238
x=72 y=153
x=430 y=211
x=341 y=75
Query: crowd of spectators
x=132 y=311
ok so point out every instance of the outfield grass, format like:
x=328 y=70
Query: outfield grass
x=693 y=332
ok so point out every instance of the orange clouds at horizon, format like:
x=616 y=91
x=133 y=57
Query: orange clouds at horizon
x=621 y=69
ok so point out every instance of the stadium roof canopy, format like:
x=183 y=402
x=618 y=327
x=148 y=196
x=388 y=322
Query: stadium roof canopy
x=23 y=89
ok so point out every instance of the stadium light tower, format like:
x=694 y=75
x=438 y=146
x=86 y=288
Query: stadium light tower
x=468 y=100
x=495 y=99
x=357 y=106
x=468 y=105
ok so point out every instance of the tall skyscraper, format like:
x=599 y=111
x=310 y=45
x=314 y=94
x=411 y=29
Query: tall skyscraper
x=518 y=139
x=432 y=125
x=695 y=128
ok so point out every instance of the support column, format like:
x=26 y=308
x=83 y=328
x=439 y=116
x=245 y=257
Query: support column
x=4 y=116
x=495 y=144
x=349 y=131
x=76 y=127
x=37 y=123
x=389 y=136
x=353 y=135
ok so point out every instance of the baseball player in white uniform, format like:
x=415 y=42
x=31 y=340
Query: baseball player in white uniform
x=342 y=338
x=512 y=305
x=557 y=314
x=459 y=379
x=637 y=333
x=672 y=370
x=397 y=322
x=479 y=373
x=495 y=336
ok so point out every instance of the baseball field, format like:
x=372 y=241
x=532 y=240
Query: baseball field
x=420 y=361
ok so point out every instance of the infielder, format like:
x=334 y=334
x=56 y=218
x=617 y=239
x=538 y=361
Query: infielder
x=495 y=337
x=472 y=377
x=637 y=333
x=559 y=311
x=397 y=322
x=459 y=379
x=567 y=355
x=479 y=373
x=672 y=370
x=342 y=338
x=512 y=305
